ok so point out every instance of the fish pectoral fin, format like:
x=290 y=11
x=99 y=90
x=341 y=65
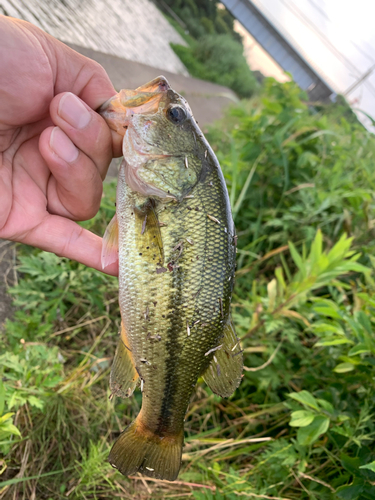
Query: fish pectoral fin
x=224 y=373
x=110 y=243
x=124 y=376
x=150 y=243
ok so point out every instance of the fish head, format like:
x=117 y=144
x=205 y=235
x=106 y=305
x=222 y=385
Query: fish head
x=160 y=139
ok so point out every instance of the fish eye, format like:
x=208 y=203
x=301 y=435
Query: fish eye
x=176 y=114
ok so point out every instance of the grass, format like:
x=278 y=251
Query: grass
x=301 y=424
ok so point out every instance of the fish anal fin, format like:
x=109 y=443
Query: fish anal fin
x=110 y=243
x=150 y=243
x=140 y=450
x=124 y=377
x=224 y=373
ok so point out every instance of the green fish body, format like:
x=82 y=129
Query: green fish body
x=177 y=247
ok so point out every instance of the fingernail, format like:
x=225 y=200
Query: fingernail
x=73 y=111
x=63 y=146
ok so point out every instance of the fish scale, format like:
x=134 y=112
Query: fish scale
x=171 y=290
x=176 y=250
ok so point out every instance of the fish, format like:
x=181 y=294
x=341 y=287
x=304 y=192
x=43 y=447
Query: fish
x=174 y=236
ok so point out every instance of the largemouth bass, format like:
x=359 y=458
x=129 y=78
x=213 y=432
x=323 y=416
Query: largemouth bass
x=174 y=234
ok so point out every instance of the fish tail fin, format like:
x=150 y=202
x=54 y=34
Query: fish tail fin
x=140 y=450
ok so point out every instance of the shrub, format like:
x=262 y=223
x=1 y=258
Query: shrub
x=220 y=59
x=301 y=424
x=224 y=58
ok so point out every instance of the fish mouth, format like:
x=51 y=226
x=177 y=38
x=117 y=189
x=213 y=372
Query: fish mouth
x=118 y=112
x=119 y=109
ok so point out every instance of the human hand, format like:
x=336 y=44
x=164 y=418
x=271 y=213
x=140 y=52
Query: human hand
x=54 y=149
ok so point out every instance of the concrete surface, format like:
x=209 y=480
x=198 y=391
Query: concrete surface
x=132 y=29
x=206 y=99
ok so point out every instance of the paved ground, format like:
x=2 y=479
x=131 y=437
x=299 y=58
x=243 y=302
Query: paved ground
x=206 y=99
x=132 y=29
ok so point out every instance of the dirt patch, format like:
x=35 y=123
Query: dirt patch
x=7 y=279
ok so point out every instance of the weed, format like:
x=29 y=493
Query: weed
x=301 y=424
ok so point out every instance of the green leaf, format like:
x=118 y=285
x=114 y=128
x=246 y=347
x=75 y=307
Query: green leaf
x=316 y=247
x=328 y=311
x=280 y=277
x=301 y=418
x=17 y=480
x=350 y=492
x=359 y=349
x=339 y=250
x=325 y=328
x=272 y=291
x=333 y=341
x=5 y=417
x=9 y=428
x=309 y=434
x=316 y=134
x=38 y=403
x=2 y=396
x=344 y=367
x=296 y=256
x=326 y=405
x=364 y=320
x=351 y=464
x=370 y=466
x=304 y=397
x=274 y=107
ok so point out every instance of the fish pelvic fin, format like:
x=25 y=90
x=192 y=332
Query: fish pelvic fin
x=224 y=373
x=140 y=450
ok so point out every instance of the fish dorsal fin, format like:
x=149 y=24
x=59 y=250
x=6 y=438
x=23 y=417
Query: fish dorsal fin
x=150 y=243
x=110 y=243
x=124 y=376
x=224 y=373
